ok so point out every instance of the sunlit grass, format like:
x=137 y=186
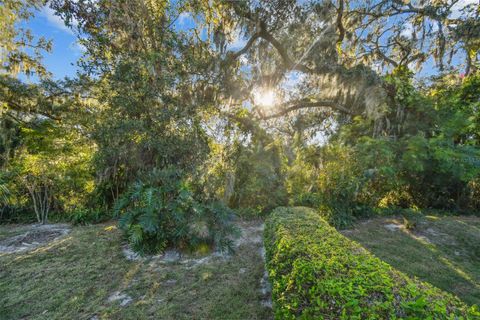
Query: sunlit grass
x=73 y=278
x=444 y=251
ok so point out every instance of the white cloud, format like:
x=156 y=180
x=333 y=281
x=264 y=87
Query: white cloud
x=54 y=20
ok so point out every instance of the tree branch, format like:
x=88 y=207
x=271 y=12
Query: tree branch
x=17 y=107
x=340 y=27
x=247 y=47
x=267 y=36
x=298 y=105
x=287 y=61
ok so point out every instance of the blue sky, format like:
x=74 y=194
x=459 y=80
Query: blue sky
x=61 y=61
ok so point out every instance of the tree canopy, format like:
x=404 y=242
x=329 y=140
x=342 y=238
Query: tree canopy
x=170 y=126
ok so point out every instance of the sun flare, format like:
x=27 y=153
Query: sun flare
x=264 y=97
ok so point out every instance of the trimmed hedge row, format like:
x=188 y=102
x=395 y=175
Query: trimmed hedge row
x=317 y=273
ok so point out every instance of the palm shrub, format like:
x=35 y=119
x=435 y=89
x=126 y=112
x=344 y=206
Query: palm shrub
x=162 y=211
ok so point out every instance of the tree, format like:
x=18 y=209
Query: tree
x=15 y=40
x=158 y=99
x=329 y=49
x=154 y=90
x=151 y=84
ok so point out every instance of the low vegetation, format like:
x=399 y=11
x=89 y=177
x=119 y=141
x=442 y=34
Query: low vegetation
x=85 y=275
x=318 y=273
x=441 y=250
x=164 y=213
x=183 y=117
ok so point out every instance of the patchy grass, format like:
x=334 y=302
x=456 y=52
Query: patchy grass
x=12 y=230
x=84 y=275
x=444 y=251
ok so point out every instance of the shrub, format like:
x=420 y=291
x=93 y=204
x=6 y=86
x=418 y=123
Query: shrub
x=164 y=213
x=85 y=216
x=411 y=219
x=317 y=273
x=258 y=181
x=16 y=214
x=51 y=171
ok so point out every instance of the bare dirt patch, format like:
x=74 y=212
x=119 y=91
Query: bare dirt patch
x=35 y=236
x=393 y=226
x=120 y=297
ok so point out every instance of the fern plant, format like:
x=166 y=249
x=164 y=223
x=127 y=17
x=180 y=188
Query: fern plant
x=162 y=212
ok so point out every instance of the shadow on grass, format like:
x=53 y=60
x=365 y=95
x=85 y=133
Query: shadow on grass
x=443 y=251
x=86 y=276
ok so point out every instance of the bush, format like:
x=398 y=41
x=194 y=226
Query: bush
x=411 y=219
x=317 y=273
x=16 y=214
x=89 y=216
x=164 y=213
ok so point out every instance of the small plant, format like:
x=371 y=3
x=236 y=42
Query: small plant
x=411 y=219
x=89 y=216
x=4 y=198
x=164 y=213
x=337 y=215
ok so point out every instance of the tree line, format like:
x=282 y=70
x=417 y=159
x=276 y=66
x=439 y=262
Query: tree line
x=161 y=129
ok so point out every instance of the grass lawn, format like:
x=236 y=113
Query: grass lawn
x=85 y=275
x=444 y=251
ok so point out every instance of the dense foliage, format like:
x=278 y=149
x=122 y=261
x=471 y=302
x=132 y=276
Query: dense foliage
x=317 y=273
x=431 y=162
x=163 y=89
x=163 y=212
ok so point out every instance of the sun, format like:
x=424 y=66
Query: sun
x=264 y=97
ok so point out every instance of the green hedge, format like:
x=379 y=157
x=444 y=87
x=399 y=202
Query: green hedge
x=317 y=273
